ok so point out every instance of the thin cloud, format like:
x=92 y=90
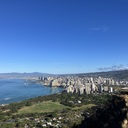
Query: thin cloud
x=99 y=29
x=105 y=29
x=96 y=29
x=113 y=68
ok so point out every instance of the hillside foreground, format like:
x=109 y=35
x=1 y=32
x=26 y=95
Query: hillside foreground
x=67 y=111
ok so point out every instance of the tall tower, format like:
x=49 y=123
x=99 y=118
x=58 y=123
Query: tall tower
x=93 y=86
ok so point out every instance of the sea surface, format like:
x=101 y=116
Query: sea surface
x=15 y=90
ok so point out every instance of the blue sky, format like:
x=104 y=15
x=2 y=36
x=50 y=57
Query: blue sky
x=63 y=36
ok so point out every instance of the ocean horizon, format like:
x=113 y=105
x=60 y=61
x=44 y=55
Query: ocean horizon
x=16 y=90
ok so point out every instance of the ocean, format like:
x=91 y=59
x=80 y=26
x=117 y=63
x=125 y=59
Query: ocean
x=15 y=90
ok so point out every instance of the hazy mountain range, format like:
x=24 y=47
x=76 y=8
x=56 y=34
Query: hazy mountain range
x=120 y=74
x=16 y=74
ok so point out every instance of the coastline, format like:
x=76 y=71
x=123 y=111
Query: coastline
x=15 y=90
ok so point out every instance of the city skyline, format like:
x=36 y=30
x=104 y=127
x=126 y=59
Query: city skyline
x=67 y=36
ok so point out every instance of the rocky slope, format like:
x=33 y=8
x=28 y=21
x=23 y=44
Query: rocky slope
x=125 y=121
x=112 y=115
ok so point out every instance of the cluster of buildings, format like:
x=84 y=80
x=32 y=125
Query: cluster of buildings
x=75 y=84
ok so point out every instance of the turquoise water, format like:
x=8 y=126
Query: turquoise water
x=14 y=90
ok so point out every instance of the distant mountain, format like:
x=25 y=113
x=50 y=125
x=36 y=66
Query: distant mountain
x=16 y=74
x=118 y=74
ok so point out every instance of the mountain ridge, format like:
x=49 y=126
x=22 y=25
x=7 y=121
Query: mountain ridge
x=117 y=74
